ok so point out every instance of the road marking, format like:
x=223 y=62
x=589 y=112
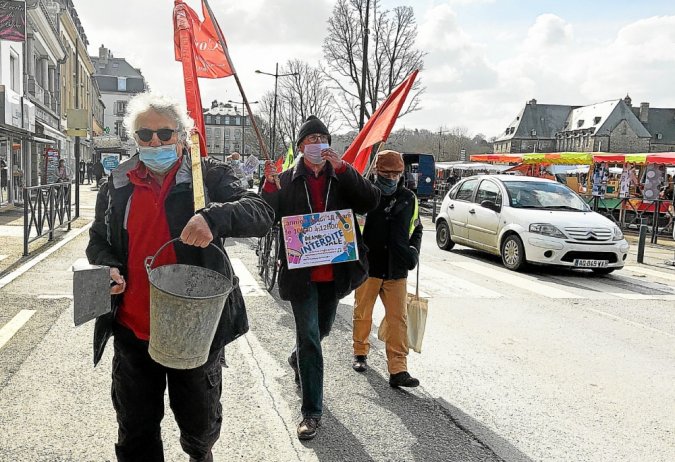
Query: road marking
x=650 y=272
x=628 y=321
x=601 y=288
x=11 y=328
x=247 y=283
x=445 y=284
x=522 y=282
x=28 y=265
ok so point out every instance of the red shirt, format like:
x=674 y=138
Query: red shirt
x=148 y=230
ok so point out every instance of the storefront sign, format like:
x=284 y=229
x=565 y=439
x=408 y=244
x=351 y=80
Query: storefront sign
x=110 y=161
x=319 y=238
x=51 y=166
x=13 y=21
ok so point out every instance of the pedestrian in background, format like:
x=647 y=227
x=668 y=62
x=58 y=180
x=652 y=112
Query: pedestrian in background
x=62 y=173
x=320 y=182
x=98 y=171
x=90 y=172
x=393 y=236
x=147 y=201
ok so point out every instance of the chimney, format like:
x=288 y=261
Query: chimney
x=628 y=101
x=103 y=54
x=644 y=113
x=532 y=102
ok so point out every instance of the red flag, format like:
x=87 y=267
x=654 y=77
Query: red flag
x=379 y=125
x=182 y=31
x=280 y=164
x=211 y=61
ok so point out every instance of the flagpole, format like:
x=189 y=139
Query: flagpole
x=372 y=162
x=221 y=40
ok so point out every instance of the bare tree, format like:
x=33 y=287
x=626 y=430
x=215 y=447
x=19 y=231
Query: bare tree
x=392 y=58
x=298 y=97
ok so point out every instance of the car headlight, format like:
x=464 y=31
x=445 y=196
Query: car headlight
x=547 y=229
x=618 y=234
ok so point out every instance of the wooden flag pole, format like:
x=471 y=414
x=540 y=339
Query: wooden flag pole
x=221 y=39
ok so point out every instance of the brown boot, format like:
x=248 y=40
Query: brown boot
x=307 y=428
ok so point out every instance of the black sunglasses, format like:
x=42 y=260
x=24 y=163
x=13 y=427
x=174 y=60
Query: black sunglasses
x=164 y=134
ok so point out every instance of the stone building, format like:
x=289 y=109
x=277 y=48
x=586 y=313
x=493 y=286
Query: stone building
x=609 y=126
x=225 y=128
x=118 y=81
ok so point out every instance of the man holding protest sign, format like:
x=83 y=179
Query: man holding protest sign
x=393 y=235
x=320 y=182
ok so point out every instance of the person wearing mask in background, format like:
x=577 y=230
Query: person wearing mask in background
x=147 y=201
x=320 y=181
x=393 y=236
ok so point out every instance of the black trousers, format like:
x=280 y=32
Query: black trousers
x=138 y=384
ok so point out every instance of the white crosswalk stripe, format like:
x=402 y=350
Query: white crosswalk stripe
x=527 y=283
x=650 y=272
x=13 y=326
x=247 y=282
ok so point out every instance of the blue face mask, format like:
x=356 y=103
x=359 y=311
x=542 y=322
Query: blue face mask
x=159 y=159
x=313 y=152
x=386 y=185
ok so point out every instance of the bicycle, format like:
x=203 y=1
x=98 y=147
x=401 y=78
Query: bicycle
x=268 y=257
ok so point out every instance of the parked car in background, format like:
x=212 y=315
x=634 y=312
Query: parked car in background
x=529 y=220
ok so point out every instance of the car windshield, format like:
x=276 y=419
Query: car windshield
x=543 y=195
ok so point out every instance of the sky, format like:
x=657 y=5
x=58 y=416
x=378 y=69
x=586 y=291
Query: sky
x=485 y=58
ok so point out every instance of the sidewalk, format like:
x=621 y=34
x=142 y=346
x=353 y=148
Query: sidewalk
x=11 y=231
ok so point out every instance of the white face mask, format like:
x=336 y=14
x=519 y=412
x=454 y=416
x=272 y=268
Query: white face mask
x=312 y=152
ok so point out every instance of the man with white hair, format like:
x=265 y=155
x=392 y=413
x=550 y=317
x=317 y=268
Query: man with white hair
x=146 y=202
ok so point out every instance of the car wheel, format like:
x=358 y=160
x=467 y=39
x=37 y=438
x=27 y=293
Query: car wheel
x=443 y=236
x=513 y=253
x=603 y=271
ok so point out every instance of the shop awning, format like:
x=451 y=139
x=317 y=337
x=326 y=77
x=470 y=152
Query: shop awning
x=497 y=158
x=559 y=158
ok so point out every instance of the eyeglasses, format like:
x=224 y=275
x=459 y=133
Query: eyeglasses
x=389 y=175
x=164 y=134
x=317 y=138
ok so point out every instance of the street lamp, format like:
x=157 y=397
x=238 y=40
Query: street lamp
x=276 y=76
x=243 y=121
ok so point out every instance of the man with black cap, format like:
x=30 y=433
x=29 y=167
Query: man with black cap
x=320 y=181
x=393 y=235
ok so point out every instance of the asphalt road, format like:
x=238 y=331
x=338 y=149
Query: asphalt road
x=549 y=365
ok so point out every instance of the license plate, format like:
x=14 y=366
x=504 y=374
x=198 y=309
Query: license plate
x=591 y=263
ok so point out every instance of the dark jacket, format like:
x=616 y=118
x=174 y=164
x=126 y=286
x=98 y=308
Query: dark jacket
x=347 y=190
x=392 y=248
x=231 y=212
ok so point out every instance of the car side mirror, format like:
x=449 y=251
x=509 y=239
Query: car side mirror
x=491 y=205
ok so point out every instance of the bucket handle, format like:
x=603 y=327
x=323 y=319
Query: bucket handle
x=149 y=261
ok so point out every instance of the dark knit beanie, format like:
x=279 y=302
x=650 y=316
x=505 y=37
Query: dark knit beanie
x=311 y=126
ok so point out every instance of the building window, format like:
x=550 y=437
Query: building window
x=14 y=70
x=227 y=120
x=119 y=129
x=121 y=84
x=120 y=108
x=597 y=120
x=217 y=120
x=227 y=134
x=238 y=121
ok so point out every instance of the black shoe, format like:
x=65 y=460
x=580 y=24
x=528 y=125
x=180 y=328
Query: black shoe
x=403 y=379
x=359 y=364
x=293 y=362
x=307 y=428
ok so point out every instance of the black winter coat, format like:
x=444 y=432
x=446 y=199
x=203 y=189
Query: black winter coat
x=347 y=190
x=231 y=212
x=392 y=250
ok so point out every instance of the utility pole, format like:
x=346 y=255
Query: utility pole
x=276 y=76
x=364 y=68
x=77 y=138
x=440 y=134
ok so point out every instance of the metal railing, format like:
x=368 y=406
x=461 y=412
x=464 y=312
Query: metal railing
x=630 y=214
x=45 y=209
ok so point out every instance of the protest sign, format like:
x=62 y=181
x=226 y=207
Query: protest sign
x=251 y=164
x=319 y=238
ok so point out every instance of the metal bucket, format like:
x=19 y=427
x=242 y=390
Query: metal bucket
x=186 y=303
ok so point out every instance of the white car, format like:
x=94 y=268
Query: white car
x=529 y=220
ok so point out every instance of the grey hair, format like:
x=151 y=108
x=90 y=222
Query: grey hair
x=148 y=101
